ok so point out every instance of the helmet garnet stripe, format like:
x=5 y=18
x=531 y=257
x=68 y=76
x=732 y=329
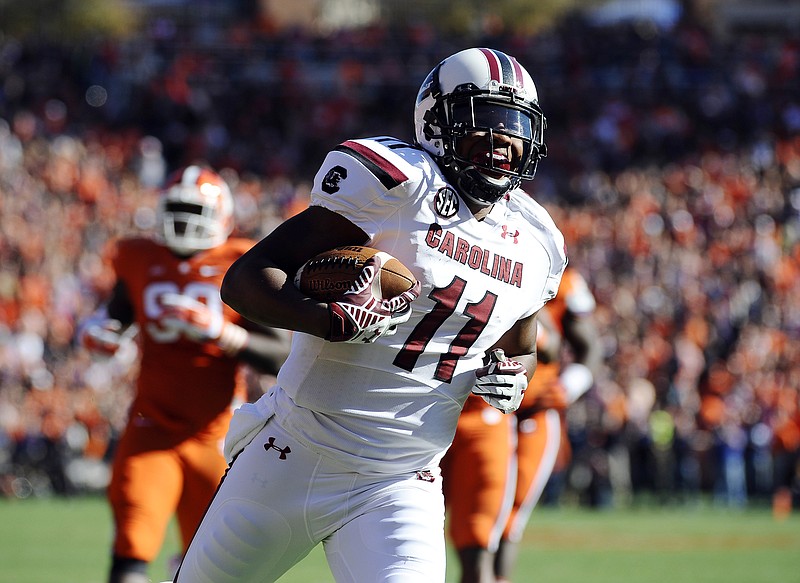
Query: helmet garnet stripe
x=508 y=65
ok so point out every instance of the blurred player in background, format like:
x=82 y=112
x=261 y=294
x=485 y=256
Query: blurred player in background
x=169 y=459
x=345 y=450
x=541 y=432
x=497 y=467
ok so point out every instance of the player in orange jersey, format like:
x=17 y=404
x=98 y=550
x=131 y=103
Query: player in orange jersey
x=480 y=473
x=497 y=467
x=169 y=459
x=541 y=433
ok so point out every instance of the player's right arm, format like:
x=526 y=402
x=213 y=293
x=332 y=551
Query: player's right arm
x=260 y=284
x=580 y=331
x=353 y=191
x=111 y=325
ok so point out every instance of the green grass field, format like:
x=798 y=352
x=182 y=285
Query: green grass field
x=67 y=541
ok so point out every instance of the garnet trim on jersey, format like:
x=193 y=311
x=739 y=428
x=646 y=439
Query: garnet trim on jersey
x=388 y=174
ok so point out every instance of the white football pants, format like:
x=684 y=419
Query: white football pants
x=279 y=499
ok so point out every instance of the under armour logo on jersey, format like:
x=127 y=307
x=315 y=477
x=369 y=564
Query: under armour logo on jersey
x=446 y=202
x=507 y=233
x=335 y=175
x=271 y=445
x=426 y=476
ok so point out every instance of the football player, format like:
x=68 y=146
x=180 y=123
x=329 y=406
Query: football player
x=541 y=432
x=497 y=468
x=345 y=449
x=169 y=458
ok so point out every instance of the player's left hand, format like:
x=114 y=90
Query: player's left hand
x=200 y=323
x=102 y=337
x=191 y=317
x=502 y=382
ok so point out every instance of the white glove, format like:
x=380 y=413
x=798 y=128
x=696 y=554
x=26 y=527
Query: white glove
x=576 y=378
x=103 y=337
x=363 y=316
x=502 y=382
x=200 y=323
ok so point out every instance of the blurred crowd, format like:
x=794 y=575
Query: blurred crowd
x=673 y=170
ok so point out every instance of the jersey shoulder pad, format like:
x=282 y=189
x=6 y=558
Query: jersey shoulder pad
x=540 y=219
x=135 y=250
x=136 y=245
x=521 y=202
x=374 y=163
x=226 y=253
x=368 y=180
x=132 y=259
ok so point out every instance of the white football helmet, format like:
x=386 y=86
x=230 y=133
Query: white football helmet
x=195 y=211
x=481 y=90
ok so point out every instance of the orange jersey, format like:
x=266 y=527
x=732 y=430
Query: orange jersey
x=483 y=456
x=543 y=390
x=184 y=387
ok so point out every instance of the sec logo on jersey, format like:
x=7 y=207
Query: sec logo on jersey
x=446 y=202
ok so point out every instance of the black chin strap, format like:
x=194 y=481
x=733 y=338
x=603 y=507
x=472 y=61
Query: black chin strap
x=472 y=184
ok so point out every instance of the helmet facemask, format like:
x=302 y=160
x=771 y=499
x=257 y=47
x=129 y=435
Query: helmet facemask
x=487 y=179
x=196 y=213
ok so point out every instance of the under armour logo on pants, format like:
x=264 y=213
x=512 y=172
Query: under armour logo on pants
x=271 y=445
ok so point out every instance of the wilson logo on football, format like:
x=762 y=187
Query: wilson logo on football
x=327 y=276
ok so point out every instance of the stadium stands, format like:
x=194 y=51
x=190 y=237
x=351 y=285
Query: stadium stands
x=674 y=171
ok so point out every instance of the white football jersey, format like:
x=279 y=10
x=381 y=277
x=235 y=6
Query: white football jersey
x=392 y=406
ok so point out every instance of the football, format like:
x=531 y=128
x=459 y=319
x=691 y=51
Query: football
x=328 y=275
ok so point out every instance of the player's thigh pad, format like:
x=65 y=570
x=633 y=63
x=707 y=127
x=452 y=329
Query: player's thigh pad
x=257 y=526
x=396 y=535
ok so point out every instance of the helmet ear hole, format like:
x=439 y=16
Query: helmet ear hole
x=430 y=119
